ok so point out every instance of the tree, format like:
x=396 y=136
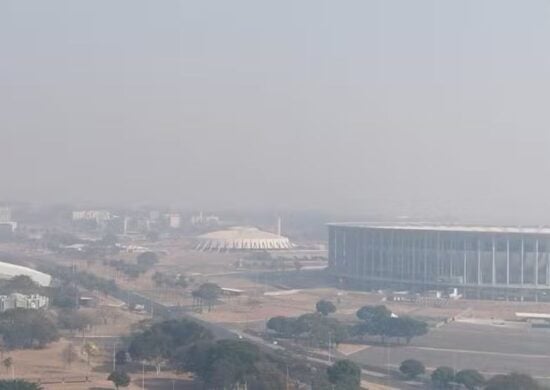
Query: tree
x=284 y=326
x=374 y=328
x=442 y=376
x=122 y=357
x=471 y=379
x=373 y=313
x=119 y=379
x=147 y=259
x=267 y=376
x=27 y=328
x=325 y=307
x=207 y=292
x=412 y=368
x=327 y=331
x=18 y=384
x=159 y=279
x=162 y=340
x=345 y=375
x=65 y=296
x=22 y=284
x=69 y=354
x=222 y=364
x=404 y=327
x=90 y=350
x=76 y=320
x=7 y=363
x=513 y=381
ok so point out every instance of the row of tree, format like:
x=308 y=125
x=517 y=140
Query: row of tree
x=184 y=345
x=320 y=329
x=74 y=277
x=161 y=279
x=144 y=262
x=379 y=321
x=445 y=377
x=27 y=328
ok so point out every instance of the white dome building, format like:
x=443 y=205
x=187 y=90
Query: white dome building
x=8 y=271
x=241 y=238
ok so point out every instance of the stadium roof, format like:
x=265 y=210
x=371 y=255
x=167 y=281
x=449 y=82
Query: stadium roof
x=241 y=238
x=449 y=228
x=8 y=271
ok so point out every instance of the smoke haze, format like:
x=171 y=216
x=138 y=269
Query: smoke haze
x=402 y=107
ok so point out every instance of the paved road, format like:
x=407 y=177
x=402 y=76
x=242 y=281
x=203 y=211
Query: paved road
x=490 y=349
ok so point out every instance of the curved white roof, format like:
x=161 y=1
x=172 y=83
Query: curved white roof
x=241 y=238
x=8 y=271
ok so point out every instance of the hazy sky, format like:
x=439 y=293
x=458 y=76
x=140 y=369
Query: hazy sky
x=404 y=107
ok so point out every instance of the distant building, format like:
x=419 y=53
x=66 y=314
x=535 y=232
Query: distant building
x=7 y=226
x=481 y=260
x=99 y=216
x=16 y=300
x=154 y=215
x=7 y=229
x=241 y=238
x=205 y=219
x=5 y=214
x=174 y=220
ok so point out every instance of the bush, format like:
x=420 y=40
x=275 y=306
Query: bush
x=471 y=379
x=76 y=320
x=18 y=384
x=345 y=374
x=27 y=328
x=443 y=376
x=119 y=379
x=513 y=381
x=412 y=368
x=147 y=259
x=325 y=307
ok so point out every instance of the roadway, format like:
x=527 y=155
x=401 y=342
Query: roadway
x=490 y=349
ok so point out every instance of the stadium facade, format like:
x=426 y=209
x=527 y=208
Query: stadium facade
x=502 y=260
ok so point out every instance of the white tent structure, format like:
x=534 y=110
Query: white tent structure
x=8 y=271
x=240 y=238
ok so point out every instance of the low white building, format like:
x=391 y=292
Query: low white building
x=5 y=214
x=174 y=220
x=6 y=223
x=16 y=301
x=205 y=219
x=100 y=216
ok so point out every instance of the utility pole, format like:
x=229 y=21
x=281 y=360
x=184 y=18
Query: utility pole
x=114 y=357
x=143 y=375
x=329 y=348
x=287 y=377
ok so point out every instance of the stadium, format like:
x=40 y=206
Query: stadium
x=495 y=262
x=8 y=271
x=241 y=238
